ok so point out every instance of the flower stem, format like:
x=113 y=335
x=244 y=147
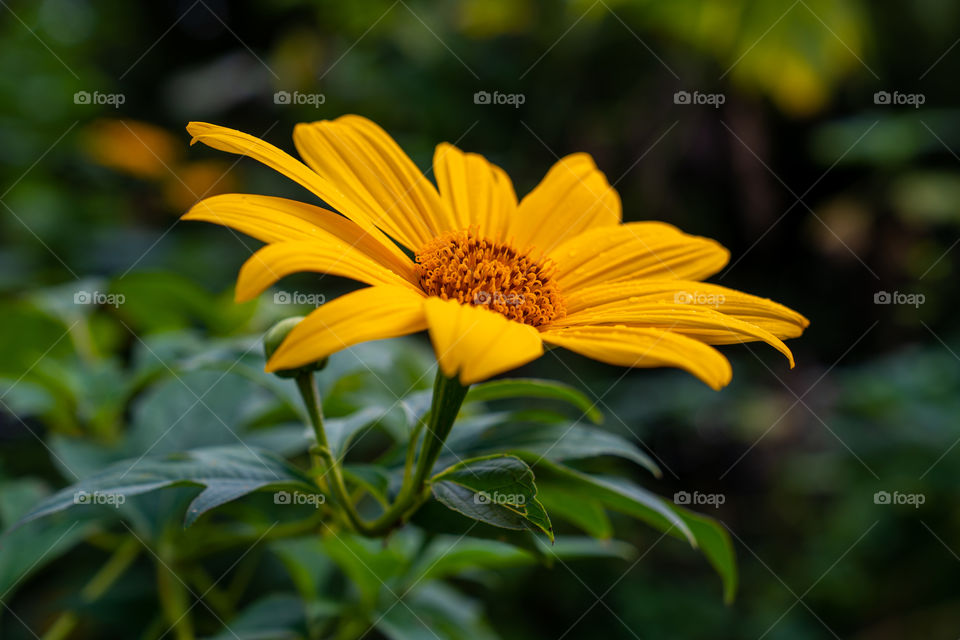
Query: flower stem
x=173 y=596
x=448 y=395
x=108 y=574
x=322 y=450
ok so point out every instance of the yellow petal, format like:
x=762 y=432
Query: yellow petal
x=280 y=220
x=704 y=324
x=280 y=259
x=638 y=347
x=373 y=313
x=651 y=250
x=371 y=169
x=477 y=193
x=573 y=197
x=233 y=141
x=477 y=343
x=766 y=314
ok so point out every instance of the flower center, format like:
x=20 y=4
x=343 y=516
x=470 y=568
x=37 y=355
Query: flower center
x=472 y=270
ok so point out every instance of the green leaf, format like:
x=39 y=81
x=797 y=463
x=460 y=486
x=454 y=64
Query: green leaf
x=433 y=611
x=448 y=555
x=24 y=398
x=531 y=388
x=626 y=497
x=340 y=431
x=584 y=513
x=616 y=494
x=558 y=441
x=193 y=410
x=159 y=301
x=310 y=567
x=370 y=565
x=27 y=549
x=716 y=545
x=497 y=489
x=454 y=555
x=373 y=478
x=275 y=617
x=416 y=406
x=227 y=473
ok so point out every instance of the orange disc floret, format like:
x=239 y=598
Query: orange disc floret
x=472 y=270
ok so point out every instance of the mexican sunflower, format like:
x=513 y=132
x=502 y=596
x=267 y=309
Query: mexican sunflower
x=490 y=278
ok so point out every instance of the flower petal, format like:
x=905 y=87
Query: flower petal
x=234 y=141
x=280 y=259
x=477 y=193
x=478 y=343
x=572 y=198
x=634 y=250
x=766 y=314
x=703 y=324
x=374 y=172
x=280 y=220
x=373 y=313
x=639 y=347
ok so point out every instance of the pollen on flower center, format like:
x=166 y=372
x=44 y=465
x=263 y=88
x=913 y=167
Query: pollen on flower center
x=472 y=270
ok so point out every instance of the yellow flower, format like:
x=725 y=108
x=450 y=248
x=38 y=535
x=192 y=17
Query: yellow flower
x=492 y=279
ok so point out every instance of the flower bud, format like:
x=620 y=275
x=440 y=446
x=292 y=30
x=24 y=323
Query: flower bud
x=275 y=336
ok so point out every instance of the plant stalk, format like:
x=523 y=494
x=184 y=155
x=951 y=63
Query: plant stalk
x=115 y=566
x=448 y=395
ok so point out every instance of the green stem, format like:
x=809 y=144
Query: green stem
x=412 y=451
x=115 y=566
x=174 y=600
x=337 y=486
x=448 y=395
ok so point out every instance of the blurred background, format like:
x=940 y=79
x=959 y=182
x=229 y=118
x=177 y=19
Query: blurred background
x=817 y=139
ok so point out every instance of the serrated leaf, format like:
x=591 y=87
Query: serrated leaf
x=226 y=473
x=532 y=388
x=616 y=494
x=497 y=489
x=626 y=497
x=558 y=442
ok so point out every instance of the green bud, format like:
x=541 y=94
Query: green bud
x=276 y=335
